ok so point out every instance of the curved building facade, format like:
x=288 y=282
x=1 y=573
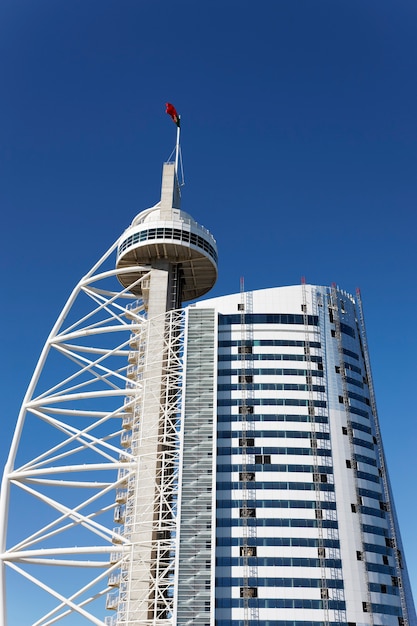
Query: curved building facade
x=286 y=513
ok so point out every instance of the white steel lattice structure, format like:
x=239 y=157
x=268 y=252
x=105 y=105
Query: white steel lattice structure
x=97 y=443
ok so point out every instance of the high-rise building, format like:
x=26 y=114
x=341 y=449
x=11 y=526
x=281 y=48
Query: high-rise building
x=214 y=465
x=305 y=528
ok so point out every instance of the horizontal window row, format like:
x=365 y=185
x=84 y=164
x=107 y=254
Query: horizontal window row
x=227 y=451
x=358 y=397
x=353 y=368
x=237 y=467
x=277 y=522
x=368 y=477
x=270 y=371
x=362 y=442
x=386 y=609
x=262 y=454
x=267 y=417
x=361 y=427
x=272 y=402
x=376 y=549
x=274 y=434
x=274 y=504
x=239 y=622
x=169 y=233
x=356 y=411
x=229 y=343
x=309 y=583
x=271 y=387
x=277 y=561
x=361 y=458
x=375 y=530
x=354 y=381
x=270 y=357
x=381 y=568
x=353 y=355
x=277 y=603
x=368 y=493
x=381 y=588
x=260 y=485
x=367 y=510
x=266 y=318
x=306 y=542
x=347 y=330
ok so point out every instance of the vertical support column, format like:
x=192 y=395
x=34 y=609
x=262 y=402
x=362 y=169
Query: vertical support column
x=321 y=550
x=148 y=519
x=195 y=588
x=170 y=192
x=247 y=543
x=336 y=314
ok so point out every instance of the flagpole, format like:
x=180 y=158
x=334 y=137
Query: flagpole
x=177 y=148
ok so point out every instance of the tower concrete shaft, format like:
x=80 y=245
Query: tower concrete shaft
x=180 y=261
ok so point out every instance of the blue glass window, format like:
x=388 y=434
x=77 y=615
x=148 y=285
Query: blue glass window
x=267 y=417
x=278 y=522
x=266 y=318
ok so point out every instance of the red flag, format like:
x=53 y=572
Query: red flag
x=171 y=110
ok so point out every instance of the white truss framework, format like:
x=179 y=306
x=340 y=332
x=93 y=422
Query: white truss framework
x=79 y=460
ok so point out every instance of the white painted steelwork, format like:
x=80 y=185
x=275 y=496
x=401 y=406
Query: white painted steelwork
x=68 y=462
x=97 y=441
x=146 y=590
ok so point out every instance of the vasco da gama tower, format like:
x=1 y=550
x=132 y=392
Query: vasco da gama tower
x=214 y=465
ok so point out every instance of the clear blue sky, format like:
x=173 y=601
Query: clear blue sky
x=300 y=151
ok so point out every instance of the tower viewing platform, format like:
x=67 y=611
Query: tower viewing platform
x=165 y=235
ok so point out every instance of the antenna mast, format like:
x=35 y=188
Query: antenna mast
x=172 y=112
x=177 y=148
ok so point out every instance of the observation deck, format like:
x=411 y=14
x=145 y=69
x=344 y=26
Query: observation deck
x=162 y=235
